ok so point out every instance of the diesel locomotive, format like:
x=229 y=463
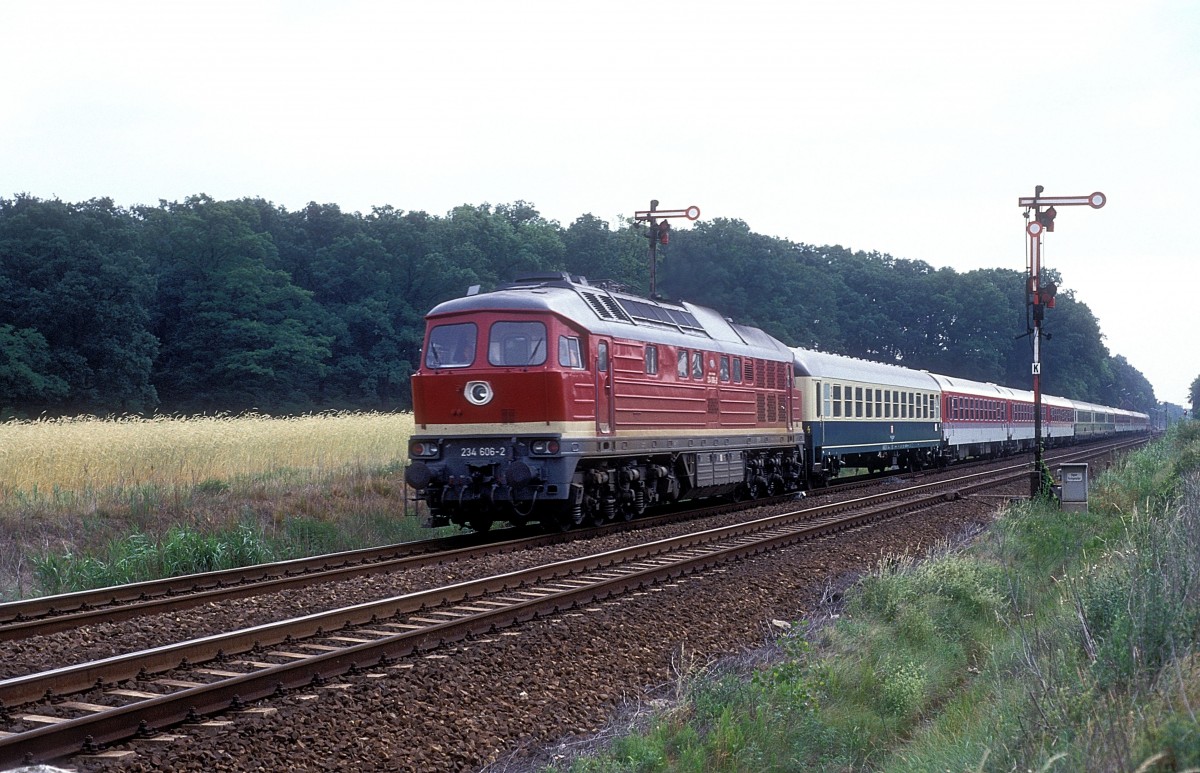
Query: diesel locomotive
x=563 y=402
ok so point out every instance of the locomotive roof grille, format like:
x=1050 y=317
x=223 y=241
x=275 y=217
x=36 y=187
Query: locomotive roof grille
x=605 y=306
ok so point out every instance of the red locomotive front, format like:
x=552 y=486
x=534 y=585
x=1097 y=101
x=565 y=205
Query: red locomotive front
x=558 y=401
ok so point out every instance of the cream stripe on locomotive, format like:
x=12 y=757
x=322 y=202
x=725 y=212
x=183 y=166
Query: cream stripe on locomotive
x=586 y=430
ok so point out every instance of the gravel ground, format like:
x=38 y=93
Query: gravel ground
x=517 y=698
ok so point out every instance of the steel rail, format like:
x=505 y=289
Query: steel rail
x=49 y=614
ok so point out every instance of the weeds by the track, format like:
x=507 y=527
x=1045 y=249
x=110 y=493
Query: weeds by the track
x=1057 y=642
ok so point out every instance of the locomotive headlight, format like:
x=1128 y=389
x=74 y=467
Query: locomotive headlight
x=422 y=449
x=478 y=392
x=544 y=446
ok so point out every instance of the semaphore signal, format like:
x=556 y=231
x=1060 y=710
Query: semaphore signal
x=1041 y=297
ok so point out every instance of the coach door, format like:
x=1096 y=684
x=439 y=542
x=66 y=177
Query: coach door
x=604 y=387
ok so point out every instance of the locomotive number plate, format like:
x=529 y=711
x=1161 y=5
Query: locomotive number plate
x=483 y=452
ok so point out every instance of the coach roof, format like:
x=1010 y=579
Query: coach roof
x=822 y=365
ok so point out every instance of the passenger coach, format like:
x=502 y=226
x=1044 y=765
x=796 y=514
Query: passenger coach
x=857 y=413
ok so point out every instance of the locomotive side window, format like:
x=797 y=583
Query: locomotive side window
x=698 y=365
x=517 y=344
x=737 y=370
x=451 y=346
x=651 y=359
x=681 y=368
x=724 y=367
x=568 y=352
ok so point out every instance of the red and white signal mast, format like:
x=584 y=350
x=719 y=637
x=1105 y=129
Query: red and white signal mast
x=1041 y=297
x=660 y=233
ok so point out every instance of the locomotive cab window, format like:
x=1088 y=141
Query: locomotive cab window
x=724 y=367
x=568 y=352
x=681 y=368
x=698 y=365
x=451 y=346
x=737 y=370
x=602 y=356
x=517 y=344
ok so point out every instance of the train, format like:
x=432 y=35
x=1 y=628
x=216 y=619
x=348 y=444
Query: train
x=562 y=402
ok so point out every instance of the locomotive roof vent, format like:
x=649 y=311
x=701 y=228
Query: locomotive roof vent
x=605 y=306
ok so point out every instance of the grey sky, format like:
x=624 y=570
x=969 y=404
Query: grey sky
x=907 y=128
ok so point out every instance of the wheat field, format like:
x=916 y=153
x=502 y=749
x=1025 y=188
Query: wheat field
x=78 y=487
x=76 y=457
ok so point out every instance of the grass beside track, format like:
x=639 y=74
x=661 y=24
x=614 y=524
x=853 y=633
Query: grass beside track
x=88 y=502
x=1054 y=642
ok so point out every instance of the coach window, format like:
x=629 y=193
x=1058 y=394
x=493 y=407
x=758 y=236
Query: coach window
x=681 y=368
x=858 y=402
x=837 y=400
x=879 y=403
x=651 y=359
x=451 y=346
x=568 y=352
x=724 y=367
x=698 y=365
x=737 y=370
x=823 y=395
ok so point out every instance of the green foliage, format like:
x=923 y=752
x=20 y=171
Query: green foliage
x=1057 y=643
x=185 y=550
x=206 y=305
x=139 y=557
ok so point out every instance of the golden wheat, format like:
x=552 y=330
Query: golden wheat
x=52 y=457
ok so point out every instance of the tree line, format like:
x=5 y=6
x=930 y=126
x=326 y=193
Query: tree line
x=230 y=306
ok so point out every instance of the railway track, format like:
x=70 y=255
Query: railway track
x=49 y=614
x=63 y=711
